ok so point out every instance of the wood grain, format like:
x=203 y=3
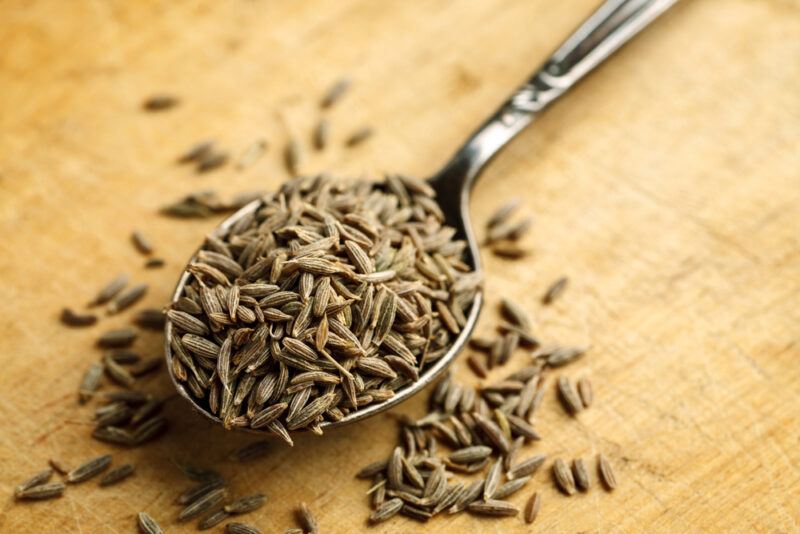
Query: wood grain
x=667 y=187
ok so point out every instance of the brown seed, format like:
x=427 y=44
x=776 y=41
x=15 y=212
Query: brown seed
x=243 y=505
x=292 y=156
x=321 y=134
x=192 y=494
x=160 y=102
x=580 y=474
x=508 y=250
x=514 y=313
x=250 y=156
x=117 y=373
x=110 y=290
x=88 y=469
x=493 y=508
x=372 y=469
x=90 y=382
x=585 y=391
x=563 y=355
x=606 y=472
x=197 y=151
x=71 y=318
x=127 y=299
x=470 y=454
x=569 y=397
x=481 y=343
x=471 y=493
x=252 y=451
x=335 y=93
x=141 y=242
x=511 y=487
x=386 y=510
x=307 y=519
x=502 y=213
x=492 y=480
x=509 y=230
x=563 y=477
x=213 y=520
x=492 y=432
x=527 y=467
x=41 y=492
x=202 y=504
x=148 y=525
x=211 y=161
x=122 y=337
x=154 y=263
x=117 y=474
x=359 y=136
x=241 y=528
x=36 y=480
x=532 y=507
x=554 y=290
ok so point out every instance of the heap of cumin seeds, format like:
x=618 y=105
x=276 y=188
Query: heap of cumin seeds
x=329 y=297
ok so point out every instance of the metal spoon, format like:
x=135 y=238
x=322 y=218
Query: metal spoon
x=613 y=24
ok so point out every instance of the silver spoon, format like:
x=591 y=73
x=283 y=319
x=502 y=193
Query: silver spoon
x=613 y=24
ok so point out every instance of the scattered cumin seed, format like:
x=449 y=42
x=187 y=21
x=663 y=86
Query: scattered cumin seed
x=110 y=290
x=202 y=504
x=307 y=519
x=554 y=290
x=213 y=520
x=292 y=157
x=211 y=161
x=493 y=507
x=586 y=392
x=246 y=504
x=89 y=469
x=606 y=472
x=90 y=382
x=580 y=474
x=197 y=151
x=321 y=134
x=72 y=318
x=335 y=93
x=386 y=510
x=160 y=102
x=251 y=154
x=148 y=525
x=36 y=480
x=563 y=477
x=241 y=528
x=532 y=507
x=41 y=492
x=359 y=136
x=117 y=475
x=154 y=263
x=502 y=213
x=127 y=299
x=569 y=396
x=141 y=242
x=119 y=338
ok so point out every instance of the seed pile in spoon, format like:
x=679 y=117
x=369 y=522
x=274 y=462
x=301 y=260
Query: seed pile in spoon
x=329 y=297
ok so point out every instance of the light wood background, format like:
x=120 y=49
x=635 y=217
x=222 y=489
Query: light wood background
x=667 y=187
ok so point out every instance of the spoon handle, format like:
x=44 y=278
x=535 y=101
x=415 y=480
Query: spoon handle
x=613 y=24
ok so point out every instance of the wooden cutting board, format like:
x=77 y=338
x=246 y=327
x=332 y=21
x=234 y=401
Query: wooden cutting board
x=667 y=187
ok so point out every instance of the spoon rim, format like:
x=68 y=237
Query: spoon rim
x=426 y=378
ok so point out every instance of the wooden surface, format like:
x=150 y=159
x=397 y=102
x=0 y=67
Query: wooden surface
x=667 y=187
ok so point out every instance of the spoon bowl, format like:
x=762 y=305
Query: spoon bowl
x=430 y=374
